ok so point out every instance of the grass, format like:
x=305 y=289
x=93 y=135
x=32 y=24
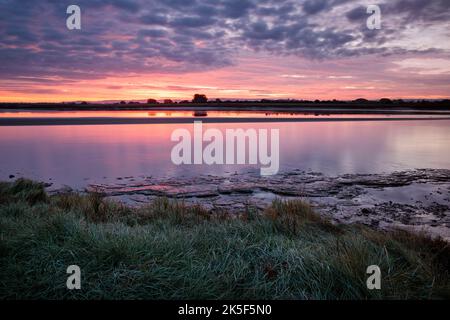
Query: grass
x=167 y=250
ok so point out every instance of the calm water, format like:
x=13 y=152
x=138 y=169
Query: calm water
x=198 y=114
x=78 y=155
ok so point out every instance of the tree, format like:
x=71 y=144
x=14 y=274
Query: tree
x=200 y=98
x=386 y=101
x=168 y=101
x=152 y=101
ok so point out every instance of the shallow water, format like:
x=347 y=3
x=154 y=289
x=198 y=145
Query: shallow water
x=79 y=155
x=156 y=114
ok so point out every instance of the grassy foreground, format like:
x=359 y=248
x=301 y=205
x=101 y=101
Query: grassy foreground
x=169 y=251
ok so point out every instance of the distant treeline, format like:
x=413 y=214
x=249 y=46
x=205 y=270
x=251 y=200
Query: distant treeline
x=201 y=101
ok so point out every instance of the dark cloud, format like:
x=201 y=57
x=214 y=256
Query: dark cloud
x=153 y=19
x=237 y=8
x=314 y=6
x=357 y=14
x=152 y=33
x=420 y=10
x=192 y=22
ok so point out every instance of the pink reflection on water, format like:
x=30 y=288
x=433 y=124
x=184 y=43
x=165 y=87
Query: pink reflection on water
x=72 y=154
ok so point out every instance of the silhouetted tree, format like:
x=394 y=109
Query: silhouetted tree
x=168 y=101
x=152 y=101
x=386 y=101
x=200 y=98
x=123 y=102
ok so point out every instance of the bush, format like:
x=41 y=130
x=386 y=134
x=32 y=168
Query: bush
x=23 y=189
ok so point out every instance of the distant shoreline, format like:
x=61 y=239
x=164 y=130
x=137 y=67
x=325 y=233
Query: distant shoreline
x=397 y=111
x=185 y=120
x=339 y=107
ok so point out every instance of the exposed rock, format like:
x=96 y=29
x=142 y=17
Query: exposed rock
x=409 y=198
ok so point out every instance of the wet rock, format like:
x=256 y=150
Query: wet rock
x=378 y=200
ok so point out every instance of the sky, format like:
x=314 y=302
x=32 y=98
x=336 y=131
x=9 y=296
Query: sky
x=235 y=49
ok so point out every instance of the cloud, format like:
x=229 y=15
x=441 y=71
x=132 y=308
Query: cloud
x=314 y=6
x=176 y=36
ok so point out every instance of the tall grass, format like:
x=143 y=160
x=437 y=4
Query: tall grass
x=167 y=250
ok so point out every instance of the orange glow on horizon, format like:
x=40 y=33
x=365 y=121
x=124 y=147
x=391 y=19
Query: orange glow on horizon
x=252 y=78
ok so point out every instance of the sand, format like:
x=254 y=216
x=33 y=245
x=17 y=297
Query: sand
x=188 y=120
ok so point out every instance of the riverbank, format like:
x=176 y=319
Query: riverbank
x=334 y=107
x=170 y=250
x=38 y=121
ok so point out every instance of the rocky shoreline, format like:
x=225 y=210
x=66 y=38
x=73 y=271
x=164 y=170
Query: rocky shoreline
x=417 y=200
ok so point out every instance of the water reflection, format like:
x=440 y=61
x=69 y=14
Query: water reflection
x=74 y=155
x=199 y=114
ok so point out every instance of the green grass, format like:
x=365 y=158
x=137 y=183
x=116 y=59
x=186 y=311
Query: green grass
x=167 y=250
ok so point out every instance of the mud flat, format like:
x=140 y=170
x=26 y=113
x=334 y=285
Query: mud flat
x=416 y=200
x=6 y=122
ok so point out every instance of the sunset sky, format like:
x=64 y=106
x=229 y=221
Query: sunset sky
x=252 y=49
